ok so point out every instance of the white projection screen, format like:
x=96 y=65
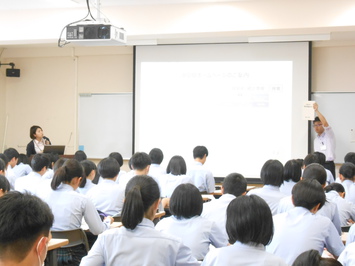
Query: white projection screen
x=242 y=101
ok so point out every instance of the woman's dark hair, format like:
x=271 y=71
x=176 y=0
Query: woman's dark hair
x=313 y=258
x=186 y=201
x=292 y=171
x=141 y=193
x=33 y=130
x=272 y=173
x=249 y=221
x=4 y=183
x=308 y=193
x=176 y=166
x=334 y=186
x=108 y=167
x=88 y=167
x=118 y=157
x=59 y=163
x=70 y=169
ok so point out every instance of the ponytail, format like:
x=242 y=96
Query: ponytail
x=64 y=174
x=141 y=193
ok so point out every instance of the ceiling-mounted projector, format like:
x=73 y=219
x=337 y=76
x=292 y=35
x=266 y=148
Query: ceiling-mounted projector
x=95 y=35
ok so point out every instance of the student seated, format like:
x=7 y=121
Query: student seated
x=272 y=177
x=292 y=174
x=196 y=232
x=347 y=257
x=69 y=207
x=201 y=177
x=25 y=221
x=89 y=175
x=23 y=166
x=234 y=185
x=4 y=184
x=139 y=163
x=335 y=192
x=312 y=258
x=53 y=158
x=156 y=169
x=176 y=175
x=31 y=182
x=118 y=157
x=346 y=176
x=137 y=242
x=322 y=161
x=12 y=156
x=3 y=168
x=80 y=156
x=249 y=227
x=107 y=195
x=299 y=230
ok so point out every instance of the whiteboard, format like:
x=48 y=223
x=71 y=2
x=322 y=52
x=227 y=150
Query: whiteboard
x=105 y=124
x=339 y=110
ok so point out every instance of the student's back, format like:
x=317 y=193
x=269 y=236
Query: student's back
x=137 y=242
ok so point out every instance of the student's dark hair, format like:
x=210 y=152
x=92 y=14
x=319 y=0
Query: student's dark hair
x=88 y=167
x=234 y=184
x=310 y=158
x=59 y=163
x=2 y=165
x=315 y=171
x=4 y=158
x=292 y=171
x=11 y=153
x=141 y=193
x=200 y=151
x=350 y=157
x=39 y=161
x=53 y=158
x=249 y=221
x=335 y=186
x=80 y=156
x=23 y=158
x=347 y=170
x=118 y=157
x=33 y=130
x=176 y=166
x=272 y=173
x=140 y=160
x=308 y=193
x=156 y=155
x=321 y=157
x=313 y=258
x=70 y=169
x=186 y=201
x=23 y=218
x=4 y=183
x=108 y=167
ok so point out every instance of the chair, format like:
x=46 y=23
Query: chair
x=76 y=237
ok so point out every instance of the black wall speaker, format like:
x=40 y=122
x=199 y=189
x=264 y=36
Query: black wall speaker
x=12 y=72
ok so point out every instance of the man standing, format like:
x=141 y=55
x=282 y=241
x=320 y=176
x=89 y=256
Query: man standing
x=325 y=139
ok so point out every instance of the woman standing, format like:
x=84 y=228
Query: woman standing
x=36 y=145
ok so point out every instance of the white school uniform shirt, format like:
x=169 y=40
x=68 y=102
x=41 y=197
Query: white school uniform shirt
x=22 y=169
x=197 y=233
x=69 y=207
x=156 y=170
x=350 y=193
x=201 y=177
x=216 y=211
x=11 y=176
x=123 y=180
x=121 y=173
x=142 y=246
x=271 y=194
x=330 y=177
x=107 y=196
x=299 y=230
x=329 y=210
x=347 y=257
x=286 y=187
x=169 y=182
x=346 y=209
x=89 y=185
x=325 y=143
x=240 y=254
x=29 y=183
x=48 y=174
x=351 y=235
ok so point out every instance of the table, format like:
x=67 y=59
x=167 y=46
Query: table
x=53 y=245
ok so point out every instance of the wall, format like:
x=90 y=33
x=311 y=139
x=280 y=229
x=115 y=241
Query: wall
x=46 y=94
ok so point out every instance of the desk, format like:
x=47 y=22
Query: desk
x=53 y=245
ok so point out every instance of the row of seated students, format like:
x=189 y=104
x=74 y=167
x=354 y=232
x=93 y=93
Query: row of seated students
x=64 y=178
